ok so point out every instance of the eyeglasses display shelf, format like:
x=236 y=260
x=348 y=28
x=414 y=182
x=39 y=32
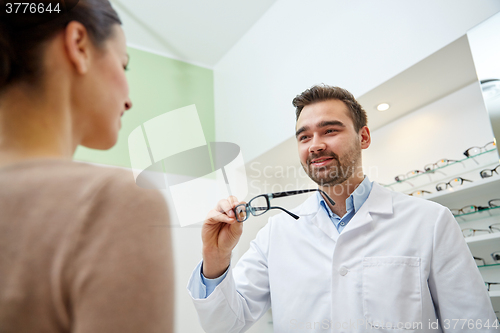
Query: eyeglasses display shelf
x=428 y=179
x=483 y=245
x=478 y=192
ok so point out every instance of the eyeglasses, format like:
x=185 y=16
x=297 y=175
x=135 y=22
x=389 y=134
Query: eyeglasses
x=420 y=193
x=473 y=208
x=494 y=255
x=261 y=204
x=480 y=259
x=478 y=150
x=452 y=183
x=489 y=284
x=488 y=173
x=441 y=163
x=468 y=209
x=412 y=173
x=469 y=232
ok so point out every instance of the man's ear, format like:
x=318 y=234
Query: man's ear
x=78 y=46
x=364 y=134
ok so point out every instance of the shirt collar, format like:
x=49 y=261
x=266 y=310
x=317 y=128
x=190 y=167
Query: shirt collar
x=355 y=200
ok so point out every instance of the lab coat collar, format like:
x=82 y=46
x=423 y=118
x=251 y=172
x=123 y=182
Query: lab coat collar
x=378 y=202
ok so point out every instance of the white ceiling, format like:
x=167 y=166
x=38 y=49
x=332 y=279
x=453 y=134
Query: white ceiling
x=195 y=31
x=431 y=79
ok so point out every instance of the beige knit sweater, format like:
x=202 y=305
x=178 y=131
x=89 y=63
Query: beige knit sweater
x=81 y=251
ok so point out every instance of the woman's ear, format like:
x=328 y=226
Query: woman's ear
x=78 y=46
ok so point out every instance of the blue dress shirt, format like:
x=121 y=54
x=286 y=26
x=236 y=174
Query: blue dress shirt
x=352 y=204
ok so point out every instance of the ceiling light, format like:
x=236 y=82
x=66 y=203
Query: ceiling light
x=383 y=106
x=491 y=88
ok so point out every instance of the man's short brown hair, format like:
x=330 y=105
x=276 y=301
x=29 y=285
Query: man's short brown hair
x=324 y=92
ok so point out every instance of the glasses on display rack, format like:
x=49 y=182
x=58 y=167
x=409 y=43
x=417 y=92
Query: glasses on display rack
x=420 y=193
x=494 y=255
x=261 y=204
x=439 y=164
x=492 y=228
x=472 y=151
x=469 y=232
x=488 y=173
x=489 y=284
x=468 y=209
x=400 y=178
x=452 y=183
x=480 y=259
x=493 y=203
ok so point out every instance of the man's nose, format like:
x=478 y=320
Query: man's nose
x=316 y=145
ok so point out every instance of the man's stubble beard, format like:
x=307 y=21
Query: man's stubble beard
x=338 y=172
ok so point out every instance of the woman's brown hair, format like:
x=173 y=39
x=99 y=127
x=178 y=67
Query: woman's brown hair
x=22 y=37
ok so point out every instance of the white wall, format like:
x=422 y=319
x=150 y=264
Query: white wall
x=355 y=44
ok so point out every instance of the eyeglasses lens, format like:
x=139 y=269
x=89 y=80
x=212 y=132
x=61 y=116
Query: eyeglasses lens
x=258 y=205
x=468 y=209
x=474 y=151
x=241 y=213
x=456 y=182
x=486 y=173
x=441 y=186
x=496 y=256
x=495 y=227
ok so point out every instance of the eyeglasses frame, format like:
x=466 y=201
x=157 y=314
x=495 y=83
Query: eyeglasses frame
x=448 y=183
x=467 y=154
x=491 y=170
x=268 y=196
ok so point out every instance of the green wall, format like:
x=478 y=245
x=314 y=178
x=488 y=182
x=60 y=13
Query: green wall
x=158 y=85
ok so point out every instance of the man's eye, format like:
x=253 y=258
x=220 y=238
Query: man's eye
x=331 y=130
x=302 y=138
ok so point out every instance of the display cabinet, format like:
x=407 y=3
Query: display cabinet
x=478 y=192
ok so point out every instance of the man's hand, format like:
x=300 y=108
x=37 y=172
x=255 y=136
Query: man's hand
x=220 y=234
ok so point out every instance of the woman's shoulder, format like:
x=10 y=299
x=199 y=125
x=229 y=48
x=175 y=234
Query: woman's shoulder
x=77 y=180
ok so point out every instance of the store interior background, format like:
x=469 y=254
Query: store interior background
x=242 y=64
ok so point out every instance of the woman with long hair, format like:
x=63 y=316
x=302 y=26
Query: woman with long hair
x=78 y=252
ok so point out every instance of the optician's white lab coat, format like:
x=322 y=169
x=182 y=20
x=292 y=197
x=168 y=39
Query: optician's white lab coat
x=401 y=262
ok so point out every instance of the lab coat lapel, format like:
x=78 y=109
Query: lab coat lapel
x=312 y=213
x=378 y=202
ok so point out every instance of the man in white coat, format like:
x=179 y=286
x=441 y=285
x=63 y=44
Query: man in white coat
x=377 y=260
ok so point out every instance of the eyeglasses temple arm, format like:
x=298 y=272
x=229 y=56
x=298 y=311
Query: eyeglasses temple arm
x=287 y=193
x=328 y=198
x=289 y=213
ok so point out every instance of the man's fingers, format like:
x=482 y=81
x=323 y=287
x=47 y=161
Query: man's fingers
x=215 y=216
x=227 y=205
x=233 y=201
